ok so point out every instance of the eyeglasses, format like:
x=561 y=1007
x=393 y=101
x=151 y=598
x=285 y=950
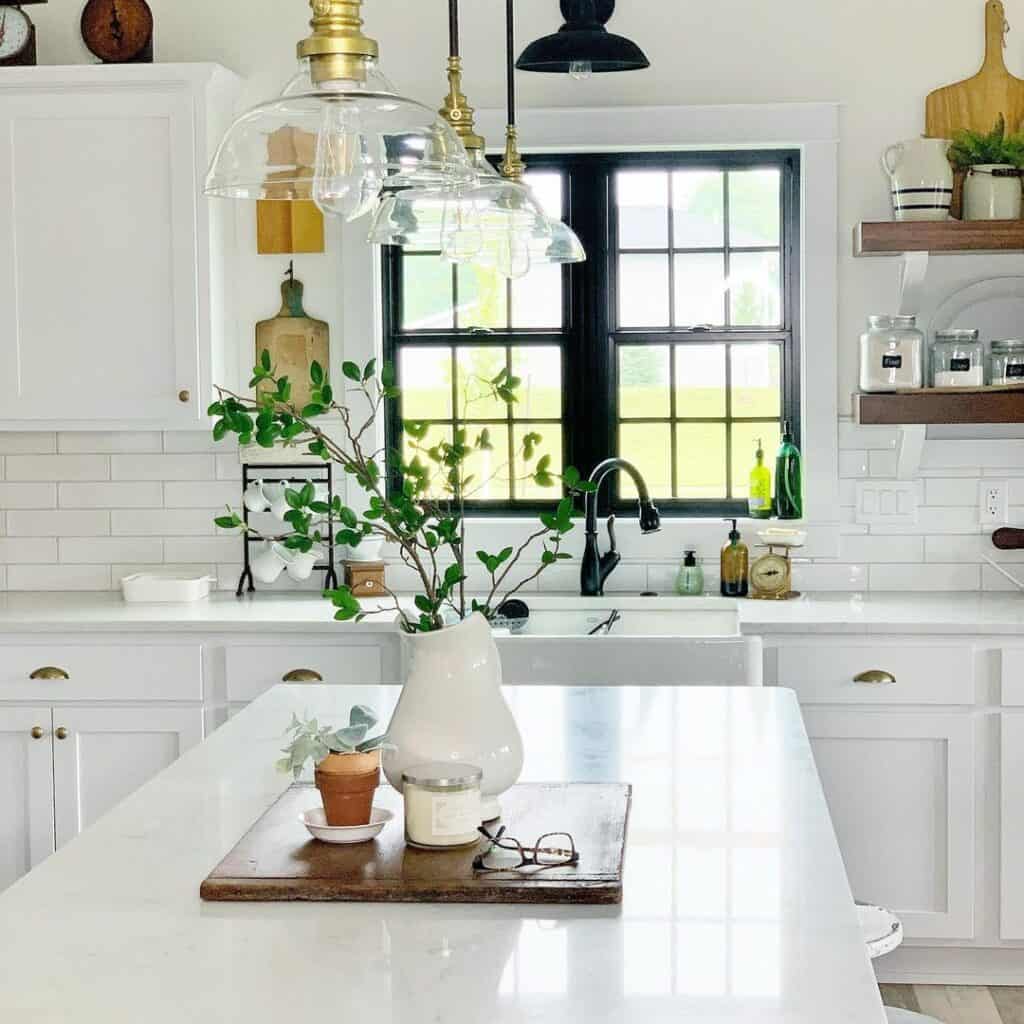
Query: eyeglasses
x=551 y=850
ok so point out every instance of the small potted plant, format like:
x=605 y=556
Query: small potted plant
x=347 y=763
x=992 y=162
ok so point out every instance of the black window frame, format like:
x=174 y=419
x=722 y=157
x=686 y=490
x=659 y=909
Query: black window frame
x=590 y=368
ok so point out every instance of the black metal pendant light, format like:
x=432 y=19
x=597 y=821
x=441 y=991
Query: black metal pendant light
x=583 y=45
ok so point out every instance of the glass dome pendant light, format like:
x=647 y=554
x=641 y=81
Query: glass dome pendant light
x=583 y=46
x=339 y=132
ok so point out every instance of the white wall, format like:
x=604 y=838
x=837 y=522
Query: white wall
x=877 y=57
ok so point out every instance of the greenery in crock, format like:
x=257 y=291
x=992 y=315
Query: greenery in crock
x=995 y=147
x=424 y=517
x=310 y=741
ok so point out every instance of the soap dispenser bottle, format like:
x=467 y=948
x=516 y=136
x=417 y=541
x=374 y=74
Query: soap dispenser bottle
x=759 y=503
x=735 y=564
x=690 y=581
x=789 y=487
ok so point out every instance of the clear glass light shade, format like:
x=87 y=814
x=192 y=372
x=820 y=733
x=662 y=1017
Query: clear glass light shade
x=337 y=143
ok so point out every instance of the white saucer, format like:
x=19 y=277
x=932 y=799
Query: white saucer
x=316 y=822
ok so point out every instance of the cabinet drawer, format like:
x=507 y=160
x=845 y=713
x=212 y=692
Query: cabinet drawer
x=115 y=672
x=825 y=673
x=253 y=670
x=1013 y=677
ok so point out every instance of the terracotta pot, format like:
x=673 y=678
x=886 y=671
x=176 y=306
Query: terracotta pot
x=347 y=783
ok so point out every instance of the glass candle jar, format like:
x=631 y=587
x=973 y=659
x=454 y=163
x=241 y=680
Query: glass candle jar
x=1006 y=363
x=958 y=360
x=442 y=804
x=891 y=354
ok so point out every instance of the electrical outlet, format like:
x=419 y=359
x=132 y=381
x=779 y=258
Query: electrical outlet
x=992 y=503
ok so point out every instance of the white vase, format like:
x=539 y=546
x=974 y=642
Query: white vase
x=992 y=192
x=452 y=709
x=921 y=179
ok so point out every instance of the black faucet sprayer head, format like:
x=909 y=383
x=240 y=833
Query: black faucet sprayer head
x=650 y=520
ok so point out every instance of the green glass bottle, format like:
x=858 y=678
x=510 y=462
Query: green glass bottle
x=789 y=484
x=760 y=501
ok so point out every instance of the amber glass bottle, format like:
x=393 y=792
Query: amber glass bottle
x=735 y=564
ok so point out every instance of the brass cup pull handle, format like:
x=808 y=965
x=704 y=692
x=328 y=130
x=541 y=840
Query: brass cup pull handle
x=49 y=672
x=184 y=397
x=302 y=675
x=61 y=733
x=37 y=732
x=875 y=677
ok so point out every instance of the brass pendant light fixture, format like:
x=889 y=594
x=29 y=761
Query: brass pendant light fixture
x=583 y=46
x=496 y=221
x=339 y=132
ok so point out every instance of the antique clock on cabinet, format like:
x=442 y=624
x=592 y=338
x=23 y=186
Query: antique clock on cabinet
x=17 y=35
x=119 y=31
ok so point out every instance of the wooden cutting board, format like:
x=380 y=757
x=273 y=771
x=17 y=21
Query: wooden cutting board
x=977 y=102
x=278 y=860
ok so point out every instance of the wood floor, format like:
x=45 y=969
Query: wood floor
x=959 y=1004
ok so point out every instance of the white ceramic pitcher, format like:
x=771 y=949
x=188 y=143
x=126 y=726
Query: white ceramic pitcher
x=921 y=179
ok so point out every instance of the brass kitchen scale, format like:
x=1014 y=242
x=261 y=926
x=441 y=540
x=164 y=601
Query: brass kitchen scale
x=771 y=574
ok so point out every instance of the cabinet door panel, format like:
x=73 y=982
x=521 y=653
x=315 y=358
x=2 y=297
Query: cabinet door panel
x=1011 y=901
x=109 y=753
x=97 y=218
x=900 y=788
x=26 y=791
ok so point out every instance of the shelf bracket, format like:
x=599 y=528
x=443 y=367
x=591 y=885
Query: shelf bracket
x=909 y=451
x=913 y=271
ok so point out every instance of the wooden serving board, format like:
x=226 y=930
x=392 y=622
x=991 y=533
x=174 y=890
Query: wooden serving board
x=278 y=860
x=977 y=102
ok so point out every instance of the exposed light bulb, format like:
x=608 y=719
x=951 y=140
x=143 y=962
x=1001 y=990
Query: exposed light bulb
x=462 y=237
x=581 y=70
x=348 y=175
x=512 y=256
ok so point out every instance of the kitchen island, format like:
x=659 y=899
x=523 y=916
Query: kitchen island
x=736 y=902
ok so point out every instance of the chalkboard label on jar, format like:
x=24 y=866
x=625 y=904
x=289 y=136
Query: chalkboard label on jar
x=1015 y=369
x=894 y=362
x=959 y=365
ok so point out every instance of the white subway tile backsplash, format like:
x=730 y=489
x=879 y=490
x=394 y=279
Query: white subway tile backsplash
x=21 y=550
x=208 y=494
x=34 y=495
x=935 y=520
x=627 y=579
x=59 y=523
x=873 y=549
x=111 y=495
x=852 y=435
x=57 y=467
x=853 y=464
x=828 y=576
x=27 y=443
x=228 y=467
x=58 y=577
x=955 y=491
x=3 y=577
x=882 y=464
x=991 y=579
x=202 y=549
x=925 y=577
x=198 y=441
x=973 y=454
x=77 y=442
x=162 y=467
x=105 y=550
x=182 y=522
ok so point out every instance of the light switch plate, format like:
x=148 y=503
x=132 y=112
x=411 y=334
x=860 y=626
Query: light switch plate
x=886 y=502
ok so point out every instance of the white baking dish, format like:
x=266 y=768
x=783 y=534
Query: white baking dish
x=165 y=588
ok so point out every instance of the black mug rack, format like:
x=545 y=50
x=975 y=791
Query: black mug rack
x=291 y=472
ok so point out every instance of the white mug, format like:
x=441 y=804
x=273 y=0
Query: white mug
x=254 y=499
x=921 y=179
x=300 y=564
x=273 y=490
x=268 y=565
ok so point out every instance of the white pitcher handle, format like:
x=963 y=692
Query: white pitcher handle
x=891 y=158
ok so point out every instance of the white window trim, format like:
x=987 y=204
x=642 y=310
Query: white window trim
x=813 y=129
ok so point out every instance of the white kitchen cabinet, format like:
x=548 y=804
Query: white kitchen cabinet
x=1011 y=895
x=26 y=790
x=900 y=787
x=112 y=303
x=103 y=754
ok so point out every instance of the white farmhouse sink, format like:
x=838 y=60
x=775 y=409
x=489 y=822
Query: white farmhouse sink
x=653 y=641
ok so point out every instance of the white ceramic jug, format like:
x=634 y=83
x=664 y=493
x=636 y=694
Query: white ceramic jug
x=452 y=709
x=921 y=179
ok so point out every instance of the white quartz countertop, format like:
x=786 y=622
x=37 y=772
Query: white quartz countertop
x=736 y=907
x=950 y=614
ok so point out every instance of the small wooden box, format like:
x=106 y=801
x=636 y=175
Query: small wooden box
x=365 y=578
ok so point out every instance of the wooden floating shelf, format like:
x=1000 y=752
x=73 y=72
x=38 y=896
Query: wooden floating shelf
x=941 y=407
x=892 y=238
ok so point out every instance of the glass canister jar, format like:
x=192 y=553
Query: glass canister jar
x=891 y=354
x=958 y=359
x=1006 y=363
x=442 y=804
